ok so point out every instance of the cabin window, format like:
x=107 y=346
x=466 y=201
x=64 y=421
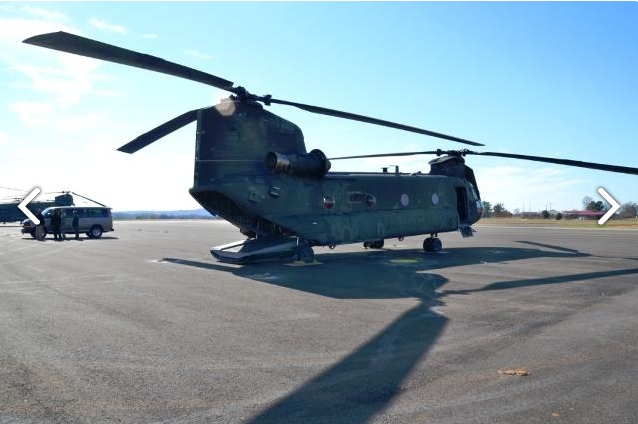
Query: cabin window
x=328 y=202
x=356 y=197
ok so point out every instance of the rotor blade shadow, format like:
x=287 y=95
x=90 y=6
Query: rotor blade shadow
x=198 y=264
x=363 y=383
x=549 y=246
x=514 y=284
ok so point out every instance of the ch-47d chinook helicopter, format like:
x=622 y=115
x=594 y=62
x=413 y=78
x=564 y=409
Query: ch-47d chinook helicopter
x=252 y=169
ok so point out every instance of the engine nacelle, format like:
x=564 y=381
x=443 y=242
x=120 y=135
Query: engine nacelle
x=314 y=164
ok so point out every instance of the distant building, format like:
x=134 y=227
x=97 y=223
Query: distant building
x=574 y=214
x=530 y=215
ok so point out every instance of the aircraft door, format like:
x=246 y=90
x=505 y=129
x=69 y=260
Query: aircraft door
x=461 y=204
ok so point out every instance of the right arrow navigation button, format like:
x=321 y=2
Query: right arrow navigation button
x=614 y=206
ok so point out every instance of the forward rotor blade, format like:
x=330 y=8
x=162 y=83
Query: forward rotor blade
x=82 y=46
x=70 y=43
x=159 y=132
x=369 y=120
x=568 y=162
x=383 y=155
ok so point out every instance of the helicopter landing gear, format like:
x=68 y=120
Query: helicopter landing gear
x=432 y=244
x=248 y=233
x=305 y=254
x=466 y=231
x=376 y=244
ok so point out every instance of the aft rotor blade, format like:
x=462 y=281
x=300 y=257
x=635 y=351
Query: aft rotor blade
x=82 y=46
x=159 y=132
x=90 y=200
x=558 y=161
x=369 y=120
x=383 y=155
x=568 y=162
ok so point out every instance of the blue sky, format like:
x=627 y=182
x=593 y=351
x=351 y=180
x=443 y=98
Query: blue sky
x=547 y=79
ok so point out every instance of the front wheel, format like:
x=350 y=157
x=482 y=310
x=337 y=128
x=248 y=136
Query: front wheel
x=306 y=254
x=44 y=233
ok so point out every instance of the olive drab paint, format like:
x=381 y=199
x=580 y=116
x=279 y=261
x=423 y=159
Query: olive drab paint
x=233 y=179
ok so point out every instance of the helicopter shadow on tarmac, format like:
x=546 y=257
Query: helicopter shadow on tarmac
x=364 y=383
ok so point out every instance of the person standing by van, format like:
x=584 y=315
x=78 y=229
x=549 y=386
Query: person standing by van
x=56 y=222
x=76 y=225
x=39 y=229
x=62 y=224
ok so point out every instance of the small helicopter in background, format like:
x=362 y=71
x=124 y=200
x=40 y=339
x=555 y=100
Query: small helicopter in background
x=9 y=211
x=253 y=170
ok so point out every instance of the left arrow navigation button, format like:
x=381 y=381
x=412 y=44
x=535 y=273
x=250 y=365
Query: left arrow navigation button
x=23 y=205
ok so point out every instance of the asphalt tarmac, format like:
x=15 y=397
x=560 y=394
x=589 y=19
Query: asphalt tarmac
x=144 y=326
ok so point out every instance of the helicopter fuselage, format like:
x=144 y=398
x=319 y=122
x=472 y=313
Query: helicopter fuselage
x=252 y=169
x=343 y=207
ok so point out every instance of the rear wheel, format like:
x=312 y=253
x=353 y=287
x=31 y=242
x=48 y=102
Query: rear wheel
x=432 y=244
x=95 y=232
x=376 y=244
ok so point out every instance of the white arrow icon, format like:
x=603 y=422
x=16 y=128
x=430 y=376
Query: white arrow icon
x=23 y=206
x=614 y=206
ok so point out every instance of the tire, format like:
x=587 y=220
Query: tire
x=44 y=233
x=432 y=245
x=95 y=232
x=437 y=245
x=377 y=244
x=427 y=245
x=306 y=254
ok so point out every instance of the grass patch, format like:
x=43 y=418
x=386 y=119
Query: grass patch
x=630 y=223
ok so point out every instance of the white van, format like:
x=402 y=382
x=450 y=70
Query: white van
x=94 y=220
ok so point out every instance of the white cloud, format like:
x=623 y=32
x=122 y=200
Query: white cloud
x=197 y=54
x=108 y=93
x=100 y=24
x=67 y=83
x=4 y=139
x=82 y=122
x=39 y=12
x=32 y=114
x=528 y=187
x=14 y=30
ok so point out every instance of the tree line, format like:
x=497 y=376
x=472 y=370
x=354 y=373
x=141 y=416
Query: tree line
x=627 y=210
